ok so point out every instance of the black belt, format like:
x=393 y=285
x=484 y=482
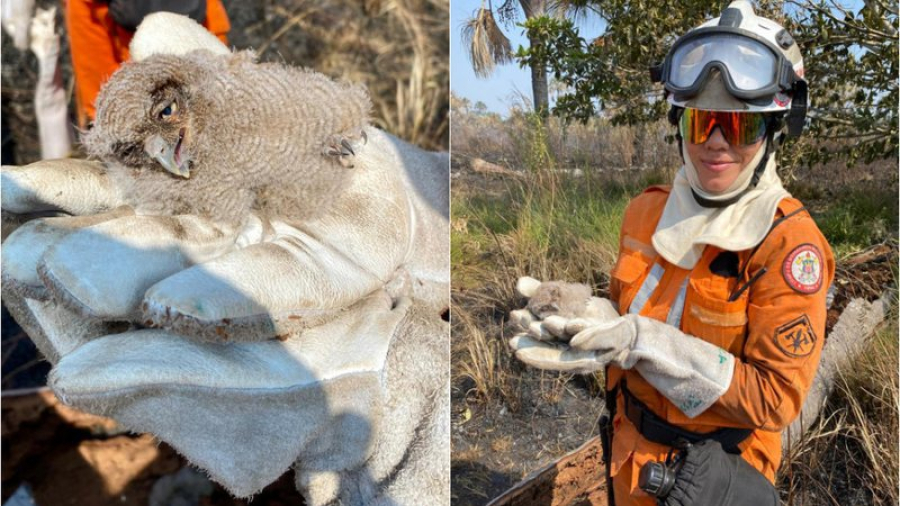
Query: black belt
x=659 y=431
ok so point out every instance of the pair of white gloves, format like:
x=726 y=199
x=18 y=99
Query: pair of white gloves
x=253 y=349
x=565 y=329
x=355 y=403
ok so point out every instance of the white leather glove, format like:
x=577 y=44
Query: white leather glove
x=50 y=105
x=355 y=406
x=688 y=371
x=244 y=411
x=15 y=19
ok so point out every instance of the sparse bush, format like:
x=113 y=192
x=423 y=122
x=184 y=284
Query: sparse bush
x=594 y=147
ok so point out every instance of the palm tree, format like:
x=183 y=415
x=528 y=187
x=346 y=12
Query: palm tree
x=489 y=47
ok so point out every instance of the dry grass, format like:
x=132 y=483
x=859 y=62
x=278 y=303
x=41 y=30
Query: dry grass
x=502 y=444
x=398 y=48
x=420 y=106
x=851 y=456
x=481 y=359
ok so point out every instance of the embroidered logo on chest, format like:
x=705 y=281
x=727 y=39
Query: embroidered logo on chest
x=796 y=338
x=802 y=269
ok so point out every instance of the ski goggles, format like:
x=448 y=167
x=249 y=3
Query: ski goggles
x=751 y=67
x=738 y=128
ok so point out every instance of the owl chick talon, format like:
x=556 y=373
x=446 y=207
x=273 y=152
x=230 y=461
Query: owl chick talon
x=347 y=146
x=341 y=148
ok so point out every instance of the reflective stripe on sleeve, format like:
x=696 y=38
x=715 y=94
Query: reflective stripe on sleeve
x=675 y=312
x=646 y=290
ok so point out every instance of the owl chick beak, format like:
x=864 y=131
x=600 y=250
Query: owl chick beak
x=169 y=156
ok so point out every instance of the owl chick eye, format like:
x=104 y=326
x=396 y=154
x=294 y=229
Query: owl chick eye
x=169 y=112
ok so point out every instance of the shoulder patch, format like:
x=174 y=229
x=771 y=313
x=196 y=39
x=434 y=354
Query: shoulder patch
x=796 y=338
x=802 y=269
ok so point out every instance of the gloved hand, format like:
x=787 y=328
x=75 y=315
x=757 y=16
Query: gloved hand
x=50 y=105
x=688 y=371
x=390 y=218
x=356 y=406
x=557 y=310
x=244 y=411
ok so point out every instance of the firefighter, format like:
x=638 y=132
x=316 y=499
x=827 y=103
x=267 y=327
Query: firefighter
x=100 y=31
x=720 y=284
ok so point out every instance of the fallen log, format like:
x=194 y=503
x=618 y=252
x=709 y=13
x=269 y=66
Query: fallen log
x=577 y=478
x=484 y=167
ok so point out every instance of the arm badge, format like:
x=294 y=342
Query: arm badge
x=796 y=338
x=802 y=269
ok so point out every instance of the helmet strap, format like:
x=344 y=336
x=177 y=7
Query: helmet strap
x=797 y=115
x=715 y=204
x=770 y=150
x=674 y=117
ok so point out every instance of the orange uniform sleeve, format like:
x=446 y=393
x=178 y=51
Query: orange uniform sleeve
x=638 y=222
x=217 y=20
x=786 y=327
x=96 y=52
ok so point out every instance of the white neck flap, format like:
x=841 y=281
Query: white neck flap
x=686 y=227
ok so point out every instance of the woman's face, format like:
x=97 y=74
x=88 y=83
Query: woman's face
x=718 y=163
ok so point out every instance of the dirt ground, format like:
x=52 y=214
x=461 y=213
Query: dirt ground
x=494 y=448
x=67 y=457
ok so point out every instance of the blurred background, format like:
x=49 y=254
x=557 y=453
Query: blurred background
x=397 y=48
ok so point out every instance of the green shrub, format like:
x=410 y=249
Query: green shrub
x=857 y=219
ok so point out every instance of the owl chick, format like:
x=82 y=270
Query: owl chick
x=223 y=135
x=559 y=298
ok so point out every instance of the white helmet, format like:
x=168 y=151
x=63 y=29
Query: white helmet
x=737 y=62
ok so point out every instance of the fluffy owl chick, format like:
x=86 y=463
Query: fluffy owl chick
x=559 y=298
x=222 y=135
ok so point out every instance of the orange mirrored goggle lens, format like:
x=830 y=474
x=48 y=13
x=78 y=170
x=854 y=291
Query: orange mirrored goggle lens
x=738 y=128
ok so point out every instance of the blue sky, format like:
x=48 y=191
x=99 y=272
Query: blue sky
x=508 y=81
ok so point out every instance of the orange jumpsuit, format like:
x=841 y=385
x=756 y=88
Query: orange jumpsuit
x=775 y=330
x=99 y=46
